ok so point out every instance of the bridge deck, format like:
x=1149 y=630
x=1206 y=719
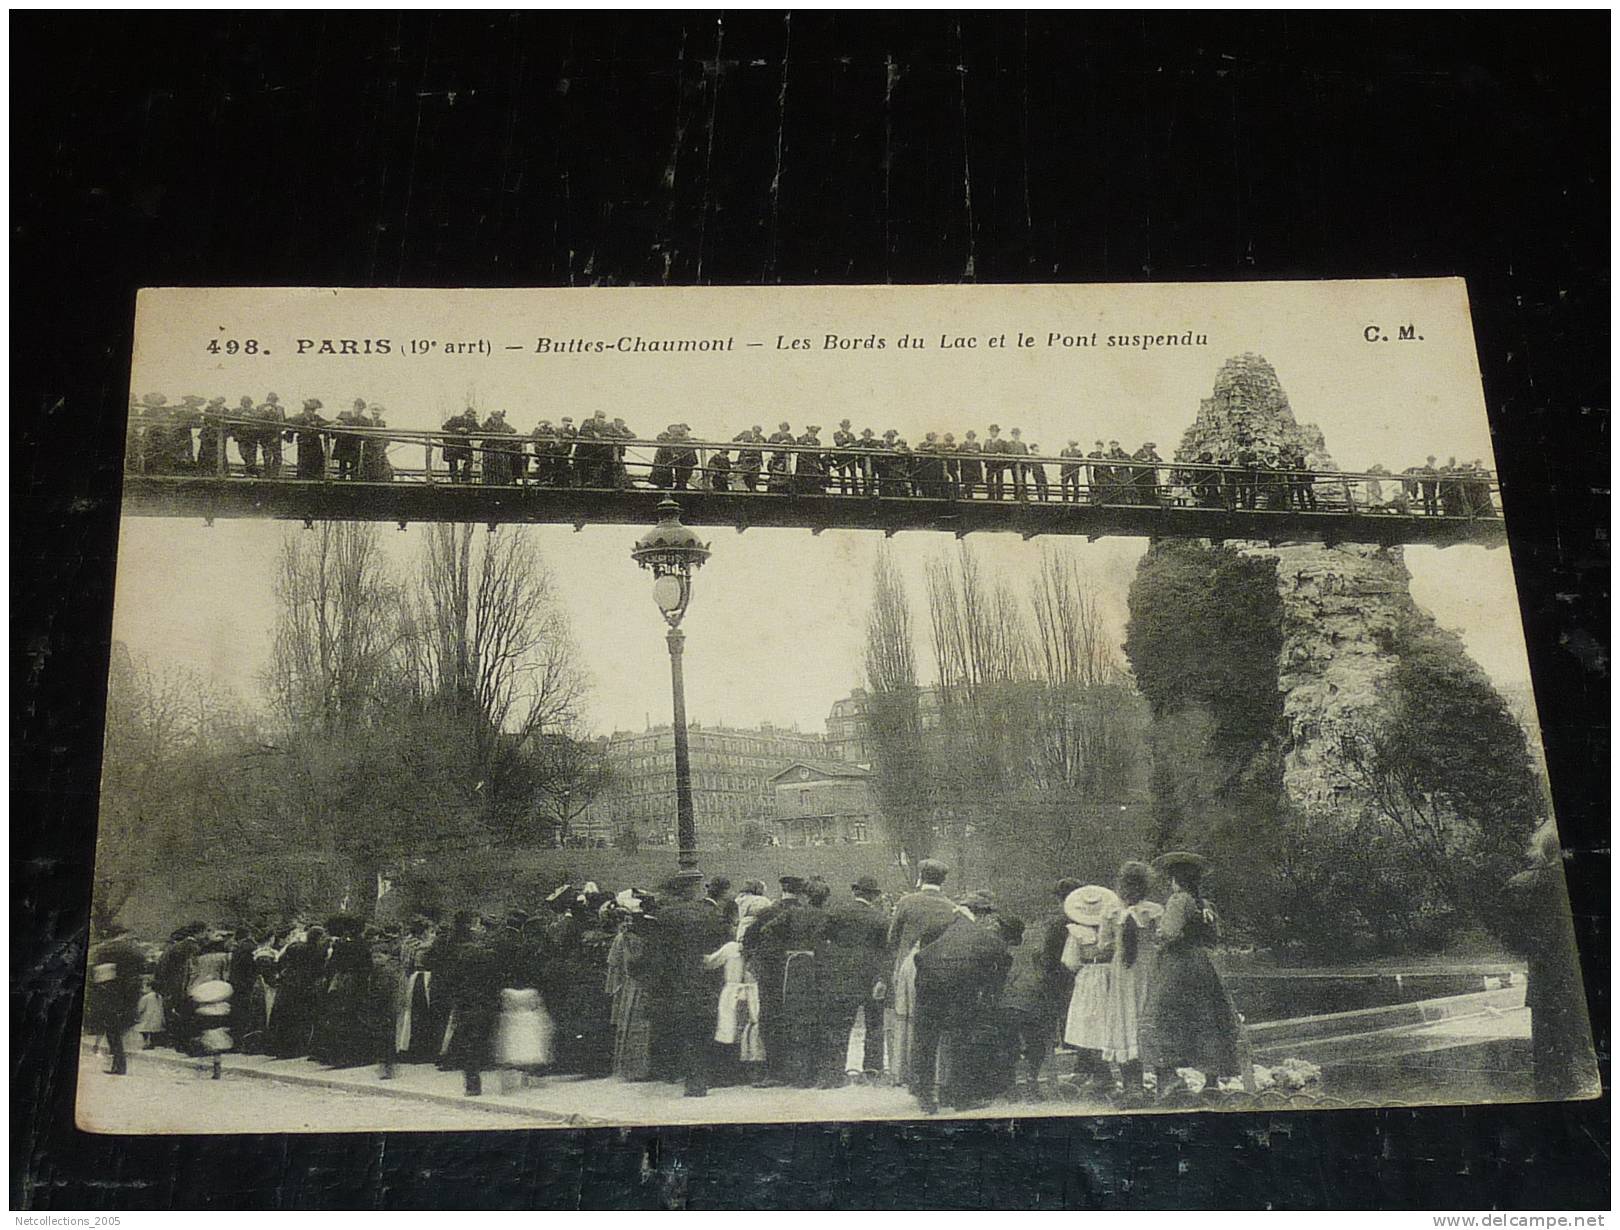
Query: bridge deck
x=403 y=502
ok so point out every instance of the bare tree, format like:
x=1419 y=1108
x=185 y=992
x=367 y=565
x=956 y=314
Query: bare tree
x=336 y=628
x=491 y=639
x=1082 y=693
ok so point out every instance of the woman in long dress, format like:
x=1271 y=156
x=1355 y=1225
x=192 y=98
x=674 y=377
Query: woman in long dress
x=1086 y=956
x=1189 y=1020
x=1132 y=933
x=632 y=1029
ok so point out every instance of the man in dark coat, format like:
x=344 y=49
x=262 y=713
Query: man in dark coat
x=749 y=460
x=345 y=445
x=311 y=443
x=959 y=982
x=475 y=998
x=781 y=944
x=274 y=418
x=682 y=993
x=172 y=980
x=116 y=967
x=1057 y=981
x=851 y=957
x=458 y=449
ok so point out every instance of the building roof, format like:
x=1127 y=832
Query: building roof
x=825 y=768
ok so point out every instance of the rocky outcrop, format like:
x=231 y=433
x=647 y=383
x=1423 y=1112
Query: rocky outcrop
x=1341 y=604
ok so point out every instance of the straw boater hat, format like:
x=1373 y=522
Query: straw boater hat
x=1089 y=904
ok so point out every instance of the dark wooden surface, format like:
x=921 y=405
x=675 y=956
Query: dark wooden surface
x=549 y=150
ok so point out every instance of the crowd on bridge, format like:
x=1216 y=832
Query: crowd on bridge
x=192 y=438
x=699 y=985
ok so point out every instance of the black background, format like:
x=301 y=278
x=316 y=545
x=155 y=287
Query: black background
x=543 y=150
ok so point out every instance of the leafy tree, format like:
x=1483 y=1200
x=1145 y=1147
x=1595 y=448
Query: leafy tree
x=894 y=716
x=1443 y=770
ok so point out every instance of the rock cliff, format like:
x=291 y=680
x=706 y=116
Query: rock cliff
x=1341 y=604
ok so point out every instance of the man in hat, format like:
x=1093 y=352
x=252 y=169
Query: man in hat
x=1430 y=483
x=850 y=966
x=684 y=458
x=779 y=481
x=749 y=460
x=311 y=443
x=995 y=467
x=570 y=472
x=458 y=448
x=1017 y=449
x=844 y=462
x=1147 y=461
x=274 y=417
x=544 y=441
x=1069 y=472
x=497 y=449
x=866 y=449
x=116 y=968
x=810 y=470
x=247 y=438
x=681 y=991
x=620 y=431
x=781 y=945
x=960 y=974
x=969 y=468
x=211 y=436
x=345 y=445
x=1037 y=474
x=917 y=918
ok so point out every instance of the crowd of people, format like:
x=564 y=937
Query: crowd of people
x=699 y=985
x=190 y=437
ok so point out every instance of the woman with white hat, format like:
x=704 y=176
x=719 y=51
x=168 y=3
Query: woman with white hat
x=1085 y=1028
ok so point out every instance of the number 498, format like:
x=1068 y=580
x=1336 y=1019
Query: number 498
x=232 y=346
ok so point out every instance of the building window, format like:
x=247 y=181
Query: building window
x=858 y=832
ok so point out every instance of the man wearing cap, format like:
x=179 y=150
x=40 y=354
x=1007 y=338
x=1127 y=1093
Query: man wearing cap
x=850 y=959
x=918 y=917
x=781 y=945
x=960 y=973
x=681 y=992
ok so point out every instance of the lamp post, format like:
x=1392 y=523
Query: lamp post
x=673 y=553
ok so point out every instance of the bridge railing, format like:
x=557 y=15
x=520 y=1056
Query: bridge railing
x=198 y=447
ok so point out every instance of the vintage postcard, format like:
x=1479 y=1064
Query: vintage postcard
x=666 y=706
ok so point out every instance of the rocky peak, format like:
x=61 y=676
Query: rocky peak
x=1248 y=405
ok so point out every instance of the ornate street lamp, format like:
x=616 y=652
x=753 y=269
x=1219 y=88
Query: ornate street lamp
x=674 y=553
